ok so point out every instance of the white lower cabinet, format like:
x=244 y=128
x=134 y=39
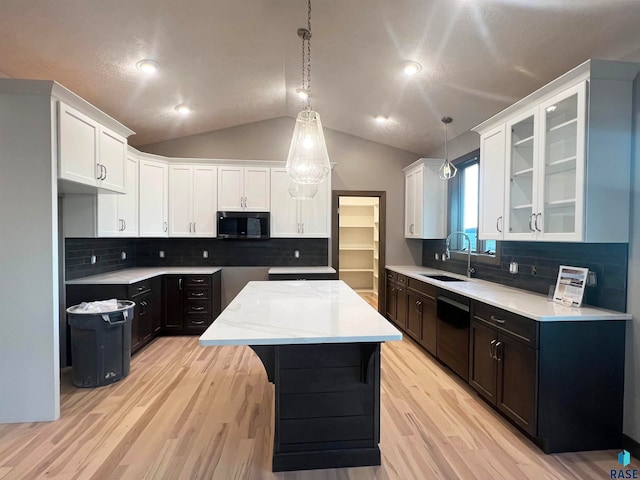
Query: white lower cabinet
x=154 y=199
x=298 y=218
x=192 y=200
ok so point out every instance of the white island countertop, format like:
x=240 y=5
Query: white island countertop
x=298 y=312
x=299 y=270
x=128 y=276
x=527 y=304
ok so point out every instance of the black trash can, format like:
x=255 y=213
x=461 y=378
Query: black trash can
x=100 y=344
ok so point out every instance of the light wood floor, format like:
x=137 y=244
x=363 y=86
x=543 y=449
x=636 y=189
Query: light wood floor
x=188 y=412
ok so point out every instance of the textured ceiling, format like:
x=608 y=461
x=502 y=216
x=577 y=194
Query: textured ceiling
x=238 y=61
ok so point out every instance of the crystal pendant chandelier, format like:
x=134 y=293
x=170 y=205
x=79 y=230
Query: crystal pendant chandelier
x=308 y=161
x=302 y=191
x=447 y=170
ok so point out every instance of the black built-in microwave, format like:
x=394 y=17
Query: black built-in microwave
x=243 y=225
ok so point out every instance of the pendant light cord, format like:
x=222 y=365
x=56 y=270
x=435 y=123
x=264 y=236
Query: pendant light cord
x=308 y=55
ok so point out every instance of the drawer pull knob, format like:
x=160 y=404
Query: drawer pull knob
x=498 y=320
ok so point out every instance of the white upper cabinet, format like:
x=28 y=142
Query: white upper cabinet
x=567 y=160
x=492 y=168
x=243 y=188
x=105 y=214
x=425 y=200
x=78 y=146
x=89 y=153
x=192 y=200
x=298 y=218
x=154 y=199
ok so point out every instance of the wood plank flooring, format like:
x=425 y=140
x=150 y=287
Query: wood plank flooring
x=189 y=412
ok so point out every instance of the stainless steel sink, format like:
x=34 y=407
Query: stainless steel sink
x=442 y=278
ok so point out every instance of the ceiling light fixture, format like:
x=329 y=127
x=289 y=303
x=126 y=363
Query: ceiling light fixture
x=381 y=118
x=411 y=68
x=147 y=66
x=308 y=161
x=183 y=110
x=302 y=191
x=447 y=170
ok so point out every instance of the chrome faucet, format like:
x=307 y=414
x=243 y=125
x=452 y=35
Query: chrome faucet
x=469 y=269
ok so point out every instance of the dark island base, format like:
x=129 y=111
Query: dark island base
x=327 y=404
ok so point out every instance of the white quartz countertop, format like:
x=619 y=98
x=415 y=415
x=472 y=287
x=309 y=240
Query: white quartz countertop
x=294 y=270
x=527 y=304
x=298 y=312
x=132 y=275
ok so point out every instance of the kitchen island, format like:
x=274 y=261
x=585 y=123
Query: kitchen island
x=320 y=345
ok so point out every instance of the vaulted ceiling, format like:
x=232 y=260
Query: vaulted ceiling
x=239 y=61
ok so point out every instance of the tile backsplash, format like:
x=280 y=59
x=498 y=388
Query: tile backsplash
x=144 y=252
x=607 y=260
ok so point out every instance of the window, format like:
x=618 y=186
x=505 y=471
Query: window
x=463 y=206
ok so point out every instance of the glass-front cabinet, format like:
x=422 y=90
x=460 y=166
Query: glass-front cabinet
x=545 y=169
x=561 y=205
x=522 y=152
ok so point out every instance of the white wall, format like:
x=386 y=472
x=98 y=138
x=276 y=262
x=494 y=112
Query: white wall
x=632 y=368
x=29 y=357
x=361 y=165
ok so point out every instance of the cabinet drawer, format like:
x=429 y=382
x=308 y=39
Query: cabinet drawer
x=402 y=280
x=426 y=289
x=197 y=294
x=197 y=320
x=138 y=288
x=393 y=276
x=197 y=280
x=521 y=328
x=196 y=306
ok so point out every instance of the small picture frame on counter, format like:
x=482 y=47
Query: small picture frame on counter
x=570 y=286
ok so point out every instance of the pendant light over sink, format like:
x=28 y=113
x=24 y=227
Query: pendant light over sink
x=447 y=170
x=308 y=161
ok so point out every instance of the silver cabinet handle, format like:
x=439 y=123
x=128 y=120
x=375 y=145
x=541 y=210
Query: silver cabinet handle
x=498 y=320
x=179 y=284
x=198 y=280
x=98 y=172
x=194 y=227
x=498 y=356
x=166 y=226
x=197 y=309
x=197 y=294
x=298 y=227
x=199 y=322
x=102 y=171
x=531 y=222
x=105 y=172
x=536 y=222
x=493 y=344
x=498 y=228
x=120 y=228
x=302 y=227
x=190 y=227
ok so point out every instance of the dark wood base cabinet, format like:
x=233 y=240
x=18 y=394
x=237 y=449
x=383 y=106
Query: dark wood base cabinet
x=147 y=313
x=560 y=382
x=191 y=303
x=327 y=404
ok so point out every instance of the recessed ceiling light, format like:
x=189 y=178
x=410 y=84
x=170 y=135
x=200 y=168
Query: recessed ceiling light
x=381 y=118
x=302 y=93
x=147 y=66
x=183 y=110
x=411 y=68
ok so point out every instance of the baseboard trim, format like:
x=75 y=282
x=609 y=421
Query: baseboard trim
x=631 y=446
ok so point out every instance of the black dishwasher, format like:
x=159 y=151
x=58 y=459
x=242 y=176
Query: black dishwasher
x=453 y=332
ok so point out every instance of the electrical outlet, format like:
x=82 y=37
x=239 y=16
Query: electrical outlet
x=513 y=267
x=161 y=253
x=123 y=255
x=592 y=279
x=436 y=256
x=205 y=254
x=443 y=257
x=533 y=270
x=94 y=259
x=296 y=254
